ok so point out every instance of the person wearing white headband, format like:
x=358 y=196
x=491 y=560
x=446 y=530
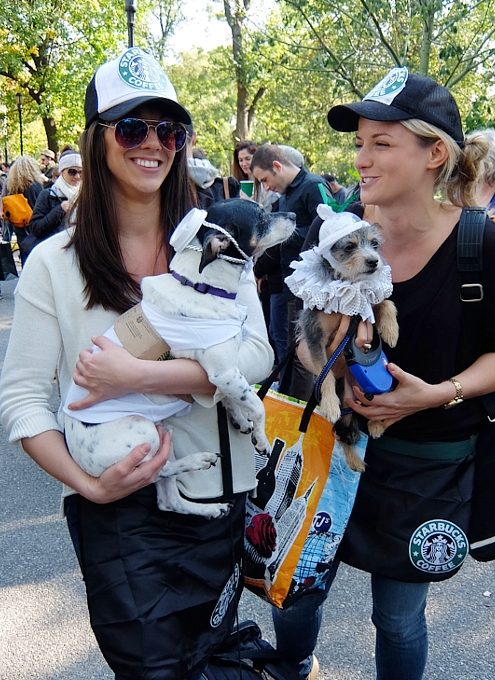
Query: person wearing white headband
x=53 y=208
x=162 y=587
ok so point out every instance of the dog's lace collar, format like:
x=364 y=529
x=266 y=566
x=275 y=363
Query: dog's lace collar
x=308 y=283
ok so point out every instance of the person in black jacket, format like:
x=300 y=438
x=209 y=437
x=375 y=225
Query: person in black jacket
x=54 y=204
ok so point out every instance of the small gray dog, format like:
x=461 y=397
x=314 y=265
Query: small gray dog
x=212 y=251
x=344 y=274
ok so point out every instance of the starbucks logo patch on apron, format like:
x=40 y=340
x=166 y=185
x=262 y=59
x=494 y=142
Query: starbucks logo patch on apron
x=438 y=546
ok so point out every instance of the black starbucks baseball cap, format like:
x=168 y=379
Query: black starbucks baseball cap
x=402 y=96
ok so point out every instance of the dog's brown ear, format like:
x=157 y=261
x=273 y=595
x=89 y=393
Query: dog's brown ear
x=213 y=244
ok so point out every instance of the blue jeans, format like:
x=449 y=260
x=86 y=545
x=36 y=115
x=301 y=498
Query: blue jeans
x=398 y=616
x=279 y=324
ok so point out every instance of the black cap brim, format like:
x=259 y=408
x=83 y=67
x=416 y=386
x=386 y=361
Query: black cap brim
x=168 y=107
x=345 y=117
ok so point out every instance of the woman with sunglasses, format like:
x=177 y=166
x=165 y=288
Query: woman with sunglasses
x=53 y=206
x=162 y=587
x=411 y=515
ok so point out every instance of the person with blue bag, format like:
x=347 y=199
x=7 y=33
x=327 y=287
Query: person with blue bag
x=412 y=511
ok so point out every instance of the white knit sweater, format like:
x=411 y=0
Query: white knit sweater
x=51 y=326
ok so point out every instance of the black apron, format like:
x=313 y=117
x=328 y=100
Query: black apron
x=410 y=517
x=162 y=587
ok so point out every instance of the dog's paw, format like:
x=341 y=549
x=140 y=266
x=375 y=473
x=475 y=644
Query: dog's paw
x=352 y=459
x=204 y=461
x=390 y=334
x=330 y=409
x=215 y=510
x=386 y=322
x=261 y=444
x=375 y=428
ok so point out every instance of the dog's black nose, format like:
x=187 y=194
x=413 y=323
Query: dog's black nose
x=372 y=263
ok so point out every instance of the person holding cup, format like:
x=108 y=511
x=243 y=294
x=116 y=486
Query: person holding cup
x=241 y=169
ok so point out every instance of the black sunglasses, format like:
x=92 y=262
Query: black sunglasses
x=74 y=173
x=131 y=132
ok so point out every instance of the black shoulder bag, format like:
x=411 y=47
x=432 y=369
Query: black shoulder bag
x=470 y=264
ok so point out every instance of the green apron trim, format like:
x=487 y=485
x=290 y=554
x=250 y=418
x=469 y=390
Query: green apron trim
x=428 y=450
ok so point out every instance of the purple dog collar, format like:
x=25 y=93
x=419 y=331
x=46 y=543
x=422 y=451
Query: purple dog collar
x=203 y=287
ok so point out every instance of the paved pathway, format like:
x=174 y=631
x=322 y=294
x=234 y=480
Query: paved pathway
x=44 y=631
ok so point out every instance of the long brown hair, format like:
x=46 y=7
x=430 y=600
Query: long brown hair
x=96 y=236
x=237 y=171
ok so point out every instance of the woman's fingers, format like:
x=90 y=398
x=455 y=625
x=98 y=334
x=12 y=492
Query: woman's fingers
x=410 y=396
x=106 y=373
x=364 y=335
x=131 y=473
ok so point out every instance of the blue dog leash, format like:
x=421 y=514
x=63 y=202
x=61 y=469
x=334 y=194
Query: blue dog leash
x=328 y=366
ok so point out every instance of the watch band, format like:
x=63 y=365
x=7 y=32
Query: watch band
x=459 y=396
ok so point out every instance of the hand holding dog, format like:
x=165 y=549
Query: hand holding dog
x=113 y=372
x=107 y=374
x=410 y=396
x=129 y=474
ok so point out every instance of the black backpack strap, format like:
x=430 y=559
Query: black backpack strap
x=470 y=264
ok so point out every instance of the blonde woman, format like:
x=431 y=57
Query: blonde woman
x=24 y=178
x=412 y=508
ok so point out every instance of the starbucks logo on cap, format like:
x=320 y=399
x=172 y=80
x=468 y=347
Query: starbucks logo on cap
x=139 y=70
x=389 y=87
x=438 y=546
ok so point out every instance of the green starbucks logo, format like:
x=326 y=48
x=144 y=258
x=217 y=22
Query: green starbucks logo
x=139 y=70
x=389 y=87
x=438 y=546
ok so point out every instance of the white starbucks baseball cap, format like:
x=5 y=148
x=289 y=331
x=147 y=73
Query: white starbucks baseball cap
x=132 y=79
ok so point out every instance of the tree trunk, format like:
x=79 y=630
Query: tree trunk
x=242 y=127
x=428 y=11
x=51 y=134
x=235 y=13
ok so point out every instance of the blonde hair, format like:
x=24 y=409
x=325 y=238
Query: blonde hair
x=459 y=176
x=489 y=160
x=24 y=172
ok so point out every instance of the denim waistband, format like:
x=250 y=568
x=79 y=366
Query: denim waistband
x=428 y=450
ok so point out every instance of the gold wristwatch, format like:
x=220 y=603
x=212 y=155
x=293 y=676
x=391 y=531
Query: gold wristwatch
x=459 y=396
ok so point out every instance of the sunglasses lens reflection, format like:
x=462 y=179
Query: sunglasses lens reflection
x=131 y=132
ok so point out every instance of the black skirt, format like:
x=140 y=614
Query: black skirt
x=162 y=587
x=411 y=516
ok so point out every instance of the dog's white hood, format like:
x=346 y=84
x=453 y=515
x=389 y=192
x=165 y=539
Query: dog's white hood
x=308 y=283
x=335 y=226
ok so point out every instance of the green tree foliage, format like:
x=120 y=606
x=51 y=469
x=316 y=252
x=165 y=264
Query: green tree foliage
x=165 y=16
x=322 y=52
x=249 y=92
x=50 y=48
x=204 y=84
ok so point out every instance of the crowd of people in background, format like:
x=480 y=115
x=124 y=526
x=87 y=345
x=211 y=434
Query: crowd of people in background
x=50 y=189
